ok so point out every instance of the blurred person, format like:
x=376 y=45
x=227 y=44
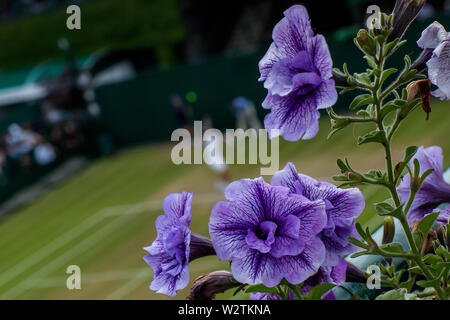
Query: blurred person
x=44 y=154
x=20 y=141
x=245 y=113
x=216 y=160
x=72 y=135
x=183 y=111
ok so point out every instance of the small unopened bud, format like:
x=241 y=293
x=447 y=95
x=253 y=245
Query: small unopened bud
x=366 y=43
x=340 y=79
x=207 y=286
x=405 y=11
x=200 y=247
x=420 y=63
x=339 y=123
x=354 y=274
x=388 y=230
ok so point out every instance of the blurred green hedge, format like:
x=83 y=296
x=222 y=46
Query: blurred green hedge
x=107 y=24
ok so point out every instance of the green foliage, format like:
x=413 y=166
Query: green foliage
x=105 y=24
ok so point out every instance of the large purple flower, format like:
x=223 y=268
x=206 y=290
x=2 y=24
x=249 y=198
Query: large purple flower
x=175 y=246
x=268 y=233
x=436 y=38
x=297 y=71
x=343 y=206
x=433 y=191
x=334 y=275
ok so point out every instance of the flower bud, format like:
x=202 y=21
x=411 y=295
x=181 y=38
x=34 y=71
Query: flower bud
x=339 y=123
x=200 y=247
x=340 y=79
x=405 y=11
x=388 y=230
x=420 y=63
x=207 y=286
x=366 y=43
x=353 y=274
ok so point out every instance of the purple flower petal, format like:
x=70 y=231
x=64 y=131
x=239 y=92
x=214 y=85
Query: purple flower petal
x=297 y=72
x=169 y=253
x=267 y=232
x=434 y=190
x=343 y=206
x=437 y=38
x=432 y=36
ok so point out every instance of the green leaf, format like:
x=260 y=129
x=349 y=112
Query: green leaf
x=239 y=289
x=261 y=288
x=342 y=165
x=386 y=73
x=340 y=178
x=357 y=242
x=427 y=222
x=386 y=209
x=396 y=294
x=361 y=100
x=370 y=61
x=317 y=292
x=443 y=252
x=393 y=247
x=432 y=259
x=361 y=232
x=360 y=253
x=428 y=283
x=374 y=136
x=363 y=113
x=363 y=77
x=388 y=108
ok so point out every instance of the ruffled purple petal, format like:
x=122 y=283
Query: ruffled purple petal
x=432 y=36
x=178 y=206
x=439 y=70
x=296 y=117
x=433 y=191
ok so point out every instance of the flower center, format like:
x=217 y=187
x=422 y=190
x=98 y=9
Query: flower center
x=262 y=237
x=306 y=78
x=174 y=244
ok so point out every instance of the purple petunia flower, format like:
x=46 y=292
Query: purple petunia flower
x=297 y=71
x=436 y=38
x=343 y=206
x=433 y=191
x=444 y=217
x=175 y=245
x=335 y=275
x=268 y=233
x=270 y=296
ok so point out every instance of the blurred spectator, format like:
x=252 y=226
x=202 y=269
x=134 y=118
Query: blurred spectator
x=44 y=154
x=183 y=111
x=19 y=141
x=215 y=158
x=245 y=113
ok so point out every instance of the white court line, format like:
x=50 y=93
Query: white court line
x=94 y=277
x=119 y=212
x=129 y=286
x=59 y=242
